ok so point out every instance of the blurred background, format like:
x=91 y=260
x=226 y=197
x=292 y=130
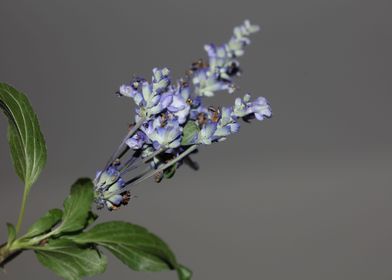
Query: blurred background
x=304 y=195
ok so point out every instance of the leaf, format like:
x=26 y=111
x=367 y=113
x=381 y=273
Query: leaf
x=25 y=139
x=184 y=273
x=77 y=207
x=69 y=261
x=45 y=223
x=190 y=132
x=133 y=245
x=91 y=218
x=11 y=233
x=170 y=171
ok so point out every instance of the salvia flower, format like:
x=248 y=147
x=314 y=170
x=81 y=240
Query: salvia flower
x=110 y=181
x=137 y=140
x=259 y=108
x=172 y=121
x=227 y=124
x=166 y=135
x=180 y=105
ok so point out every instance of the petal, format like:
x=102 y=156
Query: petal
x=182 y=115
x=161 y=85
x=116 y=199
x=176 y=143
x=208 y=130
x=166 y=99
x=127 y=90
x=138 y=98
x=185 y=92
x=146 y=90
x=234 y=127
x=172 y=133
x=136 y=141
x=222 y=131
x=177 y=104
x=247 y=98
x=117 y=185
x=156 y=145
x=238 y=102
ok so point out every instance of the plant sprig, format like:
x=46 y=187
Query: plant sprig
x=65 y=241
x=171 y=122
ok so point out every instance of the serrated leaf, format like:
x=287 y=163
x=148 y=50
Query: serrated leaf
x=69 y=261
x=133 y=245
x=77 y=207
x=11 y=233
x=25 y=138
x=45 y=223
x=190 y=132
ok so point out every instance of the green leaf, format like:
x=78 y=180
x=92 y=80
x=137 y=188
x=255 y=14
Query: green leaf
x=170 y=171
x=45 y=223
x=91 y=218
x=69 y=261
x=184 y=273
x=77 y=207
x=191 y=129
x=11 y=233
x=26 y=141
x=133 y=245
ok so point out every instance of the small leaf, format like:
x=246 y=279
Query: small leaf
x=69 y=261
x=11 y=233
x=77 y=207
x=184 y=273
x=133 y=245
x=26 y=141
x=190 y=132
x=92 y=217
x=45 y=223
x=170 y=171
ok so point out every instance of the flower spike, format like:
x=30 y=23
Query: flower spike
x=172 y=121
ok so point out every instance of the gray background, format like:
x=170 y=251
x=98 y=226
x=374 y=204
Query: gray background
x=305 y=195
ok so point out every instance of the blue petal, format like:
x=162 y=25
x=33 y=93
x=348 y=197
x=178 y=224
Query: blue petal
x=166 y=99
x=234 y=127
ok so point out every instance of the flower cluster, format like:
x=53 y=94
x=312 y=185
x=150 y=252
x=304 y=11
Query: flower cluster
x=172 y=121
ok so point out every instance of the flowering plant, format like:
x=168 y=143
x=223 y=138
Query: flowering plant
x=172 y=120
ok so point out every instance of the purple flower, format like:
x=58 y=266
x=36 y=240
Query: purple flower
x=206 y=134
x=227 y=124
x=207 y=83
x=108 y=186
x=179 y=106
x=258 y=108
x=167 y=136
x=137 y=140
x=261 y=108
x=171 y=121
x=151 y=98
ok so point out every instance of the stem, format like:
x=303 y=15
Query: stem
x=22 y=208
x=140 y=163
x=154 y=154
x=170 y=163
x=7 y=255
x=153 y=172
x=129 y=134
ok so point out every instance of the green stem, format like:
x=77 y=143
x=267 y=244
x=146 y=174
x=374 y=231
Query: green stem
x=164 y=166
x=155 y=171
x=6 y=254
x=129 y=134
x=22 y=208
